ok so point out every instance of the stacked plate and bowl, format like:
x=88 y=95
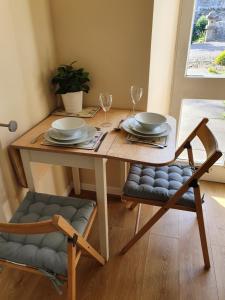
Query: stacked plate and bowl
x=70 y=131
x=147 y=125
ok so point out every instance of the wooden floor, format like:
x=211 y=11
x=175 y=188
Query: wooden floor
x=166 y=264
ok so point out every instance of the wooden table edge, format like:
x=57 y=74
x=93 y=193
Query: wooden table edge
x=141 y=162
x=57 y=150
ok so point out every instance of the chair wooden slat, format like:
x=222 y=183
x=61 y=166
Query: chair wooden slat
x=191 y=136
x=208 y=140
x=28 y=228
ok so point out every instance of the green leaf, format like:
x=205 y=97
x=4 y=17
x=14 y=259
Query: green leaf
x=68 y=79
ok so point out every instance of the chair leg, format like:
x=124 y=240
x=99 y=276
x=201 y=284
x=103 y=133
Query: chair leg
x=83 y=244
x=71 y=292
x=137 y=219
x=133 y=205
x=201 y=226
x=144 y=229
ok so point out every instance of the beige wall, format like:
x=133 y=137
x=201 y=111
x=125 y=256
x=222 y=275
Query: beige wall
x=111 y=39
x=27 y=60
x=164 y=34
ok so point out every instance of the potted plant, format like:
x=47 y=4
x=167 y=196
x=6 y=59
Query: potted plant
x=70 y=83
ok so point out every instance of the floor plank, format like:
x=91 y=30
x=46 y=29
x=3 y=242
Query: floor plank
x=161 y=280
x=122 y=277
x=219 y=263
x=215 y=212
x=195 y=282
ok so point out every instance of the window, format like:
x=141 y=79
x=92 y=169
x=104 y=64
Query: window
x=192 y=112
x=206 y=55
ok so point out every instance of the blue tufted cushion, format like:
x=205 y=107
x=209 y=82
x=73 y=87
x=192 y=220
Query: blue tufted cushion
x=44 y=251
x=159 y=183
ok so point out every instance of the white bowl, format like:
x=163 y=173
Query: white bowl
x=149 y=120
x=68 y=126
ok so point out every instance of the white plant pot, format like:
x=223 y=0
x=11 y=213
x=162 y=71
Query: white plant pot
x=73 y=102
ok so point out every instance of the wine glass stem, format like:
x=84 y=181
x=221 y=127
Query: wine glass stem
x=133 y=109
x=105 y=116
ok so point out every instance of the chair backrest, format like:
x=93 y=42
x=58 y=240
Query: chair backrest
x=210 y=144
x=207 y=138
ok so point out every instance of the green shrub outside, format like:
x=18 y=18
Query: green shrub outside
x=199 y=29
x=201 y=23
x=220 y=59
x=213 y=70
x=201 y=38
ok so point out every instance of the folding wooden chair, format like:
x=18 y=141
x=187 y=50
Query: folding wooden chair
x=174 y=186
x=46 y=236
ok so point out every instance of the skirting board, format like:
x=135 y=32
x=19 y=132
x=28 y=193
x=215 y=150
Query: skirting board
x=110 y=189
x=91 y=187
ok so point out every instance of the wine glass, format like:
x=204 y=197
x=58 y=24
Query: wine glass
x=136 y=94
x=105 y=100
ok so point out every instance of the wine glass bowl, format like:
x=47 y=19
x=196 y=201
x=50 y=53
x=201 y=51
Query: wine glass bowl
x=136 y=94
x=105 y=100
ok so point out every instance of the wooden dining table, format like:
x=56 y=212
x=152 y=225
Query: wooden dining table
x=29 y=148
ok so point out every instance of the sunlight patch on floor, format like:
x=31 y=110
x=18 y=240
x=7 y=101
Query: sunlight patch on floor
x=220 y=200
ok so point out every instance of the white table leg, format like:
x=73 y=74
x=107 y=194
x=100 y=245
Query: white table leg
x=25 y=155
x=76 y=180
x=123 y=173
x=101 y=191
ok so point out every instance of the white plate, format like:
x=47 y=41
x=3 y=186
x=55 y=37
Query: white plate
x=91 y=131
x=53 y=133
x=127 y=127
x=140 y=129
